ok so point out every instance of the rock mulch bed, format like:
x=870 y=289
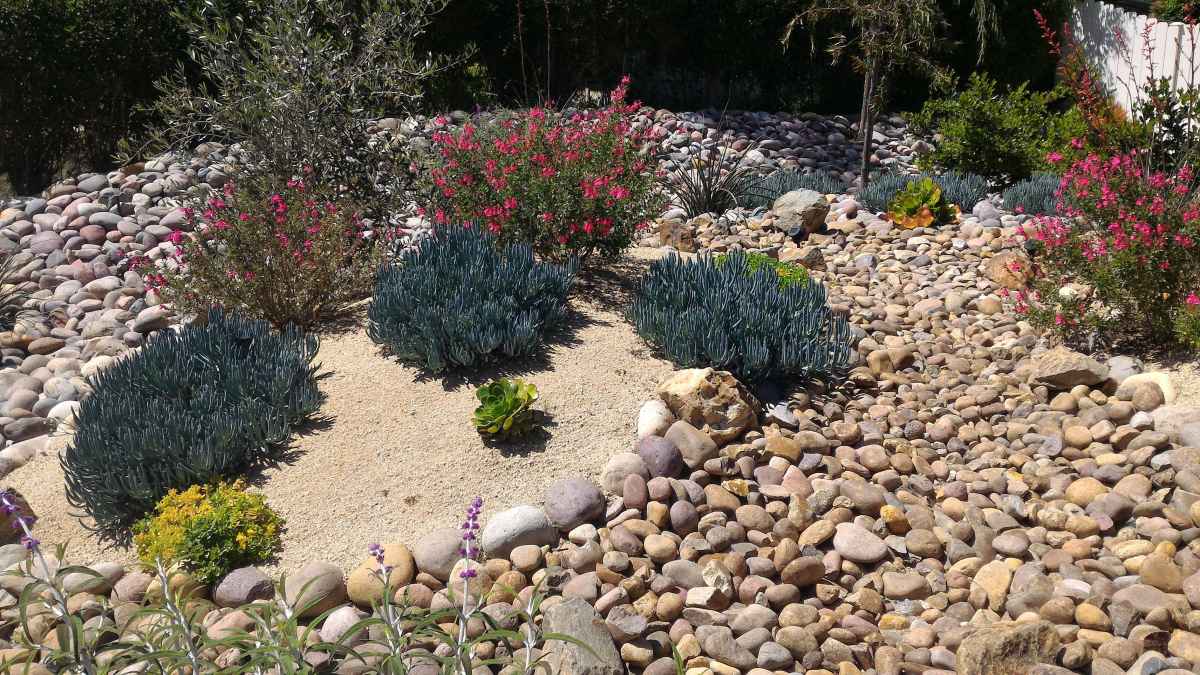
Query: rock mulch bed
x=75 y=242
x=969 y=500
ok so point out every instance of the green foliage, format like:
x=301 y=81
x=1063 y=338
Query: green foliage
x=209 y=531
x=964 y=189
x=458 y=301
x=189 y=408
x=1173 y=10
x=505 y=408
x=1036 y=195
x=300 y=84
x=704 y=313
x=763 y=192
x=284 y=253
x=70 y=81
x=921 y=204
x=789 y=274
x=684 y=56
x=1187 y=323
x=1003 y=135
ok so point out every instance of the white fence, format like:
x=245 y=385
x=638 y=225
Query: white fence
x=1151 y=47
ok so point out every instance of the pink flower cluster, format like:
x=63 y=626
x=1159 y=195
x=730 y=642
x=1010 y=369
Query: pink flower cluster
x=564 y=183
x=1127 y=234
x=289 y=224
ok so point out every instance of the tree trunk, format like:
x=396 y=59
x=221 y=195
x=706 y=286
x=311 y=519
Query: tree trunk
x=866 y=123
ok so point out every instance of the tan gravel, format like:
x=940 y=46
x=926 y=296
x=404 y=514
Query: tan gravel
x=399 y=455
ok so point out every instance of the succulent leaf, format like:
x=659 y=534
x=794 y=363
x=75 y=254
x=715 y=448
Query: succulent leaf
x=506 y=407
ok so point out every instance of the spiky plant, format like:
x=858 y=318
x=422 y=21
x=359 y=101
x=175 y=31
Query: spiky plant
x=710 y=184
x=458 y=301
x=764 y=191
x=701 y=313
x=192 y=406
x=12 y=296
x=964 y=189
x=1036 y=195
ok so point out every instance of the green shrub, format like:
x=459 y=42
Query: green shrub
x=505 y=408
x=921 y=204
x=286 y=254
x=1187 y=322
x=458 y=301
x=299 y=84
x=70 y=82
x=209 y=531
x=1036 y=195
x=882 y=189
x=1173 y=10
x=789 y=273
x=964 y=189
x=704 y=313
x=763 y=192
x=1003 y=136
x=191 y=407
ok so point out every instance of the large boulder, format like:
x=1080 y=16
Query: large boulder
x=1007 y=648
x=1062 y=368
x=242 y=586
x=437 y=551
x=594 y=652
x=1010 y=269
x=1173 y=419
x=364 y=586
x=800 y=212
x=661 y=457
x=618 y=467
x=654 y=418
x=695 y=446
x=572 y=502
x=515 y=527
x=713 y=401
x=315 y=588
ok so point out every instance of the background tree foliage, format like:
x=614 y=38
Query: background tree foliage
x=74 y=71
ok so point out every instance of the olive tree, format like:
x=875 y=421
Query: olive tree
x=880 y=38
x=298 y=83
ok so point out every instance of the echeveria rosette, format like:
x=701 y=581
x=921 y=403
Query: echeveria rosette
x=505 y=408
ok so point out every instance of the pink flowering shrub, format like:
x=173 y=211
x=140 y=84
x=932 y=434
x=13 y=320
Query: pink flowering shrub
x=1124 y=254
x=286 y=255
x=567 y=184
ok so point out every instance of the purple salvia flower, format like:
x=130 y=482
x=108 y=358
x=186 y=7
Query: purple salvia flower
x=29 y=542
x=376 y=552
x=470 y=531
